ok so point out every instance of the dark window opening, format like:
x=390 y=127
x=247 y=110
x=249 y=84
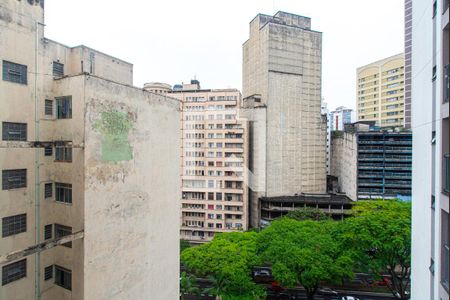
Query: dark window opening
x=14 y=131
x=16 y=73
x=14 y=271
x=14 y=225
x=14 y=179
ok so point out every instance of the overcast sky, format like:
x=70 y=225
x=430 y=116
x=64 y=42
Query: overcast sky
x=174 y=40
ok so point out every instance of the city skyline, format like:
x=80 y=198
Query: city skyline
x=169 y=53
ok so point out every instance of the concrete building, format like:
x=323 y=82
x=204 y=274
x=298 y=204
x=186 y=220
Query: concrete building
x=372 y=164
x=214 y=162
x=282 y=101
x=158 y=87
x=89 y=171
x=326 y=114
x=430 y=126
x=341 y=116
x=381 y=92
x=408 y=50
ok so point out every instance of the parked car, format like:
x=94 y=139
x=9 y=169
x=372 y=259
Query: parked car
x=349 y=298
x=262 y=275
x=327 y=291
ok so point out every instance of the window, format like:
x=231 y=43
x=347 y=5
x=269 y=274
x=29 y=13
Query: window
x=219 y=196
x=63 y=277
x=14 y=72
x=445 y=253
x=48 y=190
x=48 y=151
x=58 y=69
x=63 y=154
x=14 y=131
x=64 y=107
x=61 y=230
x=48 y=231
x=63 y=192
x=14 y=271
x=14 y=179
x=48 y=108
x=48 y=273
x=434 y=76
x=14 y=225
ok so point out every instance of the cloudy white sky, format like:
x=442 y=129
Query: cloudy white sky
x=174 y=40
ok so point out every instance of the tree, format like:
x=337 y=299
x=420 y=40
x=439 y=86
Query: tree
x=188 y=285
x=229 y=258
x=304 y=253
x=184 y=244
x=307 y=213
x=380 y=234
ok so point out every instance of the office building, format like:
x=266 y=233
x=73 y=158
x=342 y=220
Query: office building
x=372 y=164
x=214 y=160
x=381 y=92
x=430 y=126
x=408 y=49
x=89 y=171
x=282 y=63
x=341 y=116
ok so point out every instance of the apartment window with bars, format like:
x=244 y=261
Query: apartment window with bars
x=64 y=107
x=48 y=230
x=63 y=192
x=14 y=225
x=61 y=231
x=48 y=151
x=58 y=69
x=14 y=179
x=48 y=107
x=48 y=190
x=14 y=131
x=63 y=154
x=14 y=271
x=13 y=72
x=48 y=273
x=63 y=277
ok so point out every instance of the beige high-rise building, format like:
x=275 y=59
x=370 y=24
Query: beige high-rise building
x=89 y=170
x=214 y=158
x=381 y=92
x=282 y=64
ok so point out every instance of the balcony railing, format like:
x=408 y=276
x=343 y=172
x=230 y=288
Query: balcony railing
x=446 y=169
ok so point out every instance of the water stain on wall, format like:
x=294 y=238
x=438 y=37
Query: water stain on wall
x=114 y=127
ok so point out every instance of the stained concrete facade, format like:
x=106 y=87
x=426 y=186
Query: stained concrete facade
x=214 y=157
x=282 y=100
x=122 y=171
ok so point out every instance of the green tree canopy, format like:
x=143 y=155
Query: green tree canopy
x=307 y=213
x=228 y=258
x=304 y=253
x=380 y=235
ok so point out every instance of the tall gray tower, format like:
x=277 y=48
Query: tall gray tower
x=282 y=63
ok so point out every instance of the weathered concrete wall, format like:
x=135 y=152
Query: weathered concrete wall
x=344 y=162
x=132 y=209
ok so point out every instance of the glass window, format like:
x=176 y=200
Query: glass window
x=16 y=73
x=64 y=107
x=14 y=271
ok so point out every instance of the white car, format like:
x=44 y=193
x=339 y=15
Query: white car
x=349 y=298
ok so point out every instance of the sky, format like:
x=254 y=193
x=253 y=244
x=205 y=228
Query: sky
x=173 y=41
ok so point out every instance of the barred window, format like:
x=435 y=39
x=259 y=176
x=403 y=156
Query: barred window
x=14 y=179
x=63 y=277
x=61 y=231
x=64 y=107
x=48 y=190
x=63 y=154
x=14 y=271
x=48 y=231
x=14 y=131
x=48 y=151
x=48 y=272
x=14 y=225
x=13 y=72
x=63 y=192
x=48 y=107
x=58 y=69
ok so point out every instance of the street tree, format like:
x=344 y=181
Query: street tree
x=379 y=232
x=304 y=253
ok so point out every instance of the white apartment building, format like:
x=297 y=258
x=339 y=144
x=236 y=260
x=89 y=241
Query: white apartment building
x=214 y=158
x=430 y=127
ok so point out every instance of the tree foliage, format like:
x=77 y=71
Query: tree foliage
x=228 y=258
x=304 y=253
x=307 y=213
x=380 y=235
x=188 y=285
